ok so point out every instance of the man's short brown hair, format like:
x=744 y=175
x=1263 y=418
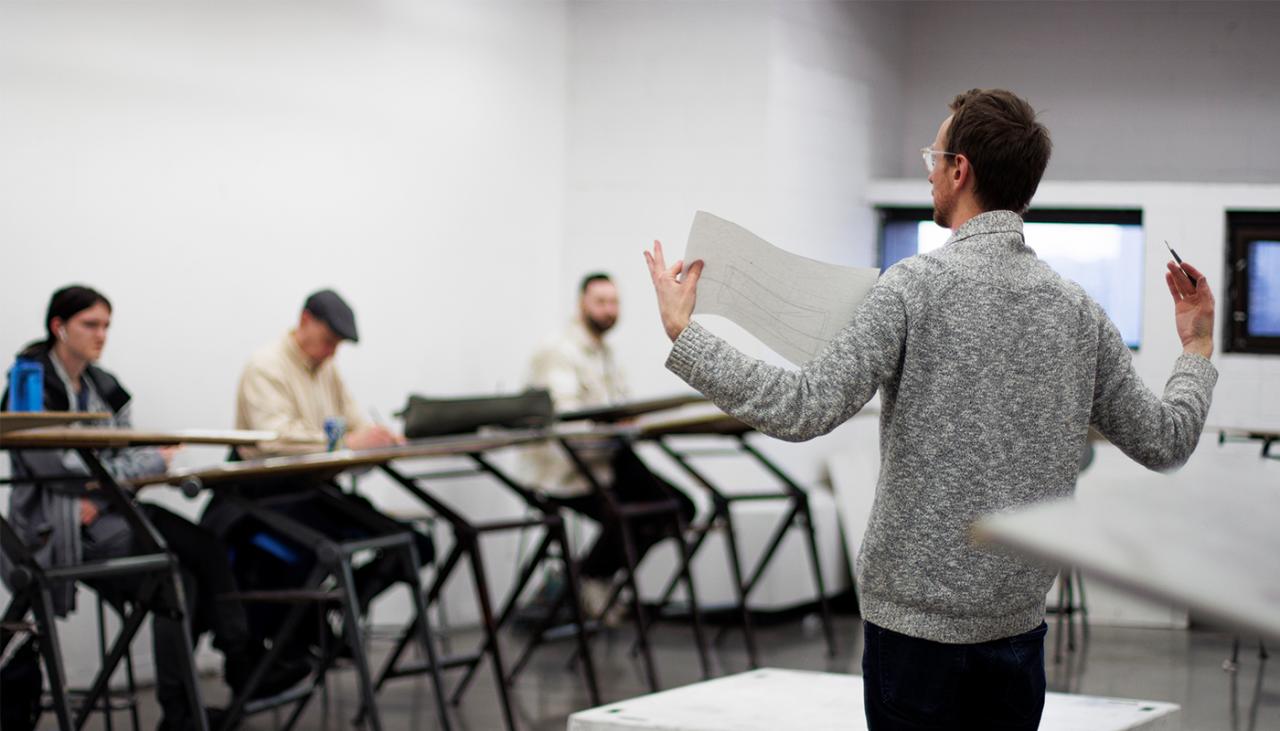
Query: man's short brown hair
x=1006 y=147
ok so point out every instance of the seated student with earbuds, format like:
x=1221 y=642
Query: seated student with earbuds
x=64 y=524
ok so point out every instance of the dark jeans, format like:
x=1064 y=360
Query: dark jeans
x=264 y=559
x=632 y=483
x=911 y=684
x=206 y=576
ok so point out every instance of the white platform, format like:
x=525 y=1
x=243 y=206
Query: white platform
x=776 y=700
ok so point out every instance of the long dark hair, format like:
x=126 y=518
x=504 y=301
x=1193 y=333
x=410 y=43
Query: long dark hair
x=64 y=304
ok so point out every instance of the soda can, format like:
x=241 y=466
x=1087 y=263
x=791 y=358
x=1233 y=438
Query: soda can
x=334 y=428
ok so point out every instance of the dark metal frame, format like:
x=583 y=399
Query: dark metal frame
x=1070 y=583
x=160 y=593
x=1244 y=228
x=1267 y=439
x=466 y=532
x=333 y=558
x=1232 y=663
x=1118 y=216
x=799 y=514
x=112 y=701
x=622 y=515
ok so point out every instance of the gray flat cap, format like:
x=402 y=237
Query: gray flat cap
x=333 y=311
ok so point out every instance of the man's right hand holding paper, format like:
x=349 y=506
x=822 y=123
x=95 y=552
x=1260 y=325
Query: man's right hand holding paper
x=676 y=293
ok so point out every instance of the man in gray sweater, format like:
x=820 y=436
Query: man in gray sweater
x=991 y=369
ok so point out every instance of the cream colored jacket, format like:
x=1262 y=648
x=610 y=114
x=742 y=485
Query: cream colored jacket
x=580 y=372
x=281 y=391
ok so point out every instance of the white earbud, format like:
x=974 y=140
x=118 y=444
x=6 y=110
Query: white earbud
x=62 y=333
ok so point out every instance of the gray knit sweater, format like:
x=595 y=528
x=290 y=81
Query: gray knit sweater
x=990 y=368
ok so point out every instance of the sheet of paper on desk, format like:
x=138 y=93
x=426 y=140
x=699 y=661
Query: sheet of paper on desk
x=793 y=304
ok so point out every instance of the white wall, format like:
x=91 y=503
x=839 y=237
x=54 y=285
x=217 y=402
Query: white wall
x=1169 y=91
x=774 y=115
x=206 y=168
x=770 y=114
x=668 y=107
x=208 y=165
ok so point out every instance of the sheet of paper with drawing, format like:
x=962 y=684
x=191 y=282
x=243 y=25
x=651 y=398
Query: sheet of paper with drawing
x=793 y=304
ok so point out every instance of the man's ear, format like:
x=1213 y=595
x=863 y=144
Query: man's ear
x=961 y=172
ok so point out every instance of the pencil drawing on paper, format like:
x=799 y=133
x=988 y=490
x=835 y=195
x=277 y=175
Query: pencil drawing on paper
x=793 y=304
x=759 y=298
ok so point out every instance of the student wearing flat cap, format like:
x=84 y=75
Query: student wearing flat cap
x=292 y=387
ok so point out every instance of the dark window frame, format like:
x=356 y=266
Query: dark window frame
x=1243 y=228
x=1116 y=216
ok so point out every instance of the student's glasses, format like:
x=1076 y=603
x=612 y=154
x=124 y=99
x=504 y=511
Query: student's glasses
x=929 y=154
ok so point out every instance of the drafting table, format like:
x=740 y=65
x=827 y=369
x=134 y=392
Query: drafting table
x=106 y=437
x=582 y=447
x=32 y=583
x=15 y=420
x=1210 y=548
x=324 y=466
x=735 y=433
x=333 y=557
x=1267 y=437
x=631 y=409
x=553 y=546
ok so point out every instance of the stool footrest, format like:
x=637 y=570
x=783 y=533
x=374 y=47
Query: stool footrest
x=420 y=667
x=284 y=596
x=258 y=705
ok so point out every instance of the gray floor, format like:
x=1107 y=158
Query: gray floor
x=1183 y=667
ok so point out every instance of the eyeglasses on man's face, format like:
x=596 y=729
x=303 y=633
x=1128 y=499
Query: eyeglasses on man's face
x=930 y=156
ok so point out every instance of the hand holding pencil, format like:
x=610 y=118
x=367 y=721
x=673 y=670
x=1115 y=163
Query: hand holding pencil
x=1193 y=305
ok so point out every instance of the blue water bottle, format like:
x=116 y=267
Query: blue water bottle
x=26 y=386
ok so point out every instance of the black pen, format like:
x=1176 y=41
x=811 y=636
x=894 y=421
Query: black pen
x=1179 y=260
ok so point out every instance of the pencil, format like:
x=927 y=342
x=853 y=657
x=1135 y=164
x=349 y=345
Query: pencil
x=1179 y=260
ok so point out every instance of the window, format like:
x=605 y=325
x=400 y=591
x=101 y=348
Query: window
x=1101 y=250
x=1253 y=286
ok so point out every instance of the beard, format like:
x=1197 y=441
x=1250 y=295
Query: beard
x=599 y=326
x=942 y=213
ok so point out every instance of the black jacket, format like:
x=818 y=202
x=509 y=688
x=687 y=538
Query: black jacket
x=55 y=394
